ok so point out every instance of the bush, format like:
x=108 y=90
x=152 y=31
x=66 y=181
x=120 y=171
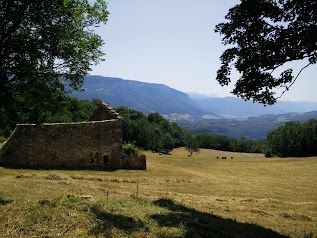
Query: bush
x=5 y=132
x=130 y=149
x=269 y=154
x=2 y=139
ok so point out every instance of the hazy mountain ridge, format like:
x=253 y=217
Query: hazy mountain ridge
x=197 y=113
x=145 y=97
x=149 y=97
x=236 y=107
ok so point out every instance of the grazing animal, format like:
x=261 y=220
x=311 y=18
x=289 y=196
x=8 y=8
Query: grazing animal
x=224 y=157
x=217 y=157
x=231 y=157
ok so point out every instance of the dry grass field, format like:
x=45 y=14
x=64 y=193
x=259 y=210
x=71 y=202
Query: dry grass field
x=247 y=195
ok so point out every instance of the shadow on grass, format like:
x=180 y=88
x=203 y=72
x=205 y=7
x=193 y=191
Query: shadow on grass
x=105 y=222
x=201 y=224
x=5 y=202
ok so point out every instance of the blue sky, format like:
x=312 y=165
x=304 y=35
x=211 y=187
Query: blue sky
x=172 y=42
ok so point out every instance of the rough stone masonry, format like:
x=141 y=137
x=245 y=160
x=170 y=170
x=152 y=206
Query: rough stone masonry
x=96 y=144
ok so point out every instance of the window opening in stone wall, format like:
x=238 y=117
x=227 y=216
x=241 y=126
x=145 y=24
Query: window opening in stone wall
x=106 y=159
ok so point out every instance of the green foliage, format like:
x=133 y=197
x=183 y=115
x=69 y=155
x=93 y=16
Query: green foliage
x=46 y=49
x=155 y=133
x=191 y=144
x=264 y=35
x=70 y=110
x=5 y=130
x=167 y=143
x=156 y=118
x=2 y=139
x=268 y=154
x=225 y=143
x=293 y=139
x=152 y=132
x=96 y=101
x=130 y=149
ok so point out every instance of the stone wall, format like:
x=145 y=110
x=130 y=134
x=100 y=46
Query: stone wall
x=135 y=162
x=91 y=145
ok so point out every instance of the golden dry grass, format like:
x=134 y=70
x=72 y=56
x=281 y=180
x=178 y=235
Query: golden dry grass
x=279 y=194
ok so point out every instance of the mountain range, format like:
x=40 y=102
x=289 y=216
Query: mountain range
x=152 y=97
x=229 y=116
x=144 y=97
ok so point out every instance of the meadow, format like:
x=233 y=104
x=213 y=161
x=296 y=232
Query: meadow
x=247 y=195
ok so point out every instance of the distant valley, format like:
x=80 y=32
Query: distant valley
x=230 y=116
x=236 y=107
x=255 y=127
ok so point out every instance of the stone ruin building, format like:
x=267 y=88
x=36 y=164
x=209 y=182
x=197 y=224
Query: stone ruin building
x=95 y=144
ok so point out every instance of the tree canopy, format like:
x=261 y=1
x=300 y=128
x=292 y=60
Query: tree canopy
x=262 y=36
x=293 y=139
x=46 y=47
x=151 y=132
x=191 y=144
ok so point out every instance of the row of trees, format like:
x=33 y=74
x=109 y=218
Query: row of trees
x=225 y=143
x=293 y=139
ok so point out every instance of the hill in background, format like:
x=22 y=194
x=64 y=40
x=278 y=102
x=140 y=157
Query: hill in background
x=229 y=116
x=145 y=97
x=151 y=97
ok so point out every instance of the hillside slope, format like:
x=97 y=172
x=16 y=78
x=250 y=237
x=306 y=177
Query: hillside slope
x=197 y=113
x=145 y=97
x=151 y=97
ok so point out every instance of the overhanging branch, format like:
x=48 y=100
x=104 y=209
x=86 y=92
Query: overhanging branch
x=287 y=88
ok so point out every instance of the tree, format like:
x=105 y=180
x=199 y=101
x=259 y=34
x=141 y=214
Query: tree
x=191 y=144
x=167 y=143
x=71 y=110
x=264 y=35
x=46 y=47
x=156 y=117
